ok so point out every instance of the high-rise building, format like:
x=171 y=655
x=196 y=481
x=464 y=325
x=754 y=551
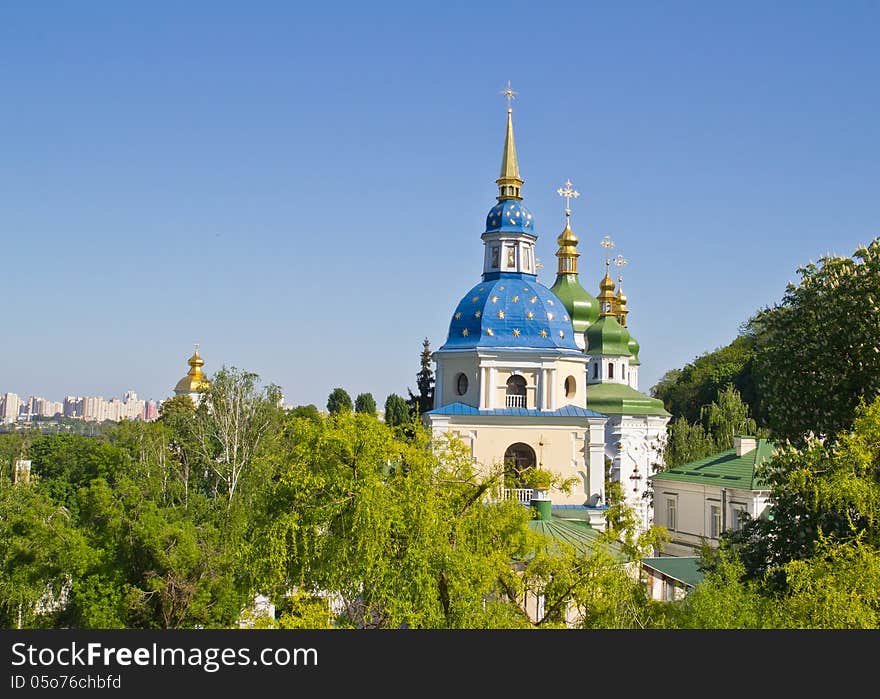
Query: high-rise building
x=151 y=410
x=73 y=406
x=9 y=407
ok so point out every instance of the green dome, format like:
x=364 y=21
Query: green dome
x=634 y=351
x=580 y=304
x=608 y=337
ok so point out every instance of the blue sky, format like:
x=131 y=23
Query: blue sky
x=301 y=188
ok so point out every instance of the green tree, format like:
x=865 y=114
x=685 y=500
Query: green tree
x=41 y=553
x=339 y=402
x=310 y=412
x=422 y=402
x=396 y=411
x=365 y=403
x=817 y=352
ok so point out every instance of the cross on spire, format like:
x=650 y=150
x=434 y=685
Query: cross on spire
x=568 y=193
x=607 y=243
x=619 y=262
x=510 y=94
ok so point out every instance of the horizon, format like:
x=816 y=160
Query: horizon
x=302 y=191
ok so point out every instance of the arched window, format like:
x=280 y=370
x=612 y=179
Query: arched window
x=516 y=392
x=570 y=387
x=461 y=384
x=610 y=370
x=518 y=459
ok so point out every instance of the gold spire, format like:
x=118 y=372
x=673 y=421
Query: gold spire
x=509 y=182
x=620 y=302
x=194 y=377
x=567 y=240
x=620 y=309
x=606 y=294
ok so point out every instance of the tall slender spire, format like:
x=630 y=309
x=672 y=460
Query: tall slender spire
x=509 y=182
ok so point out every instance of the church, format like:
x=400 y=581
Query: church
x=538 y=377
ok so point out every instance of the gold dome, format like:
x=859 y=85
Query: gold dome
x=620 y=303
x=607 y=300
x=567 y=252
x=195 y=378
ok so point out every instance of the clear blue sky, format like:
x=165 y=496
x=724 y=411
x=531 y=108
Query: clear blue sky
x=301 y=188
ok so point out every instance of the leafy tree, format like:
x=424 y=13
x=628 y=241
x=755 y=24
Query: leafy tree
x=686 y=391
x=396 y=411
x=817 y=351
x=829 y=490
x=310 y=412
x=365 y=403
x=41 y=552
x=424 y=401
x=233 y=419
x=339 y=401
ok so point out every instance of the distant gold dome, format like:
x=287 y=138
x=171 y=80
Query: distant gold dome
x=194 y=379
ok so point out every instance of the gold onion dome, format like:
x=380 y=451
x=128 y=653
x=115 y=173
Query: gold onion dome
x=195 y=378
x=581 y=305
x=607 y=299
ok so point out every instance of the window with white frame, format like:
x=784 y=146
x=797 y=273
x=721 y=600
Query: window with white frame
x=671 y=514
x=737 y=515
x=714 y=521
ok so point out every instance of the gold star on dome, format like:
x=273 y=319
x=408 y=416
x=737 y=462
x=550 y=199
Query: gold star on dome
x=516 y=332
x=458 y=315
x=512 y=222
x=475 y=299
x=525 y=288
x=500 y=288
x=489 y=332
x=465 y=332
x=549 y=316
x=530 y=315
x=550 y=301
x=564 y=317
x=515 y=299
x=494 y=299
x=478 y=314
x=533 y=299
x=561 y=334
x=543 y=333
x=501 y=314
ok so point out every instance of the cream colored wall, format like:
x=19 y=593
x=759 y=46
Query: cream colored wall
x=452 y=367
x=564 y=369
x=562 y=453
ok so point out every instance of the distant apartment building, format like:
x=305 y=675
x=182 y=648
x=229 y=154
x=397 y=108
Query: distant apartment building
x=10 y=404
x=73 y=406
x=151 y=410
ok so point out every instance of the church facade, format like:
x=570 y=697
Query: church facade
x=538 y=377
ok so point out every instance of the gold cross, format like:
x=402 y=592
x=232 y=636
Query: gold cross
x=568 y=193
x=607 y=243
x=509 y=94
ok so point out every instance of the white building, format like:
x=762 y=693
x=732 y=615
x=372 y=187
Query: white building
x=700 y=500
x=9 y=407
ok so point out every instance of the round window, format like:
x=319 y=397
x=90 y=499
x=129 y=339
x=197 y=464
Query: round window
x=461 y=384
x=570 y=387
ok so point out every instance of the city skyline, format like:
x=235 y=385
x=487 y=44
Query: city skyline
x=234 y=182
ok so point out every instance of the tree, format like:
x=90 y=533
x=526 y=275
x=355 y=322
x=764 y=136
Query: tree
x=686 y=391
x=365 y=403
x=396 y=411
x=310 y=412
x=232 y=420
x=818 y=351
x=339 y=401
x=424 y=401
x=818 y=491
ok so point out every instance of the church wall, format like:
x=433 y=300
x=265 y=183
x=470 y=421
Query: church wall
x=565 y=451
x=450 y=368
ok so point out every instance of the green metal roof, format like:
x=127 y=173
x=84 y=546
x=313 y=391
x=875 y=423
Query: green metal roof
x=575 y=533
x=723 y=469
x=684 y=568
x=607 y=337
x=580 y=304
x=620 y=399
x=634 y=348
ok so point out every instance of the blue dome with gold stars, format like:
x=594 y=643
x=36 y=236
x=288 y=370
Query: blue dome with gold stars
x=512 y=312
x=510 y=216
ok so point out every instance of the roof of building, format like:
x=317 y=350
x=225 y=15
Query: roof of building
x=723 y=469
x=621 y=399
x=608 y=337
x=684 y=568
x=513 y=311
x=580 y=304
x=510 y=216
x=564 y=411
x=578 y=534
